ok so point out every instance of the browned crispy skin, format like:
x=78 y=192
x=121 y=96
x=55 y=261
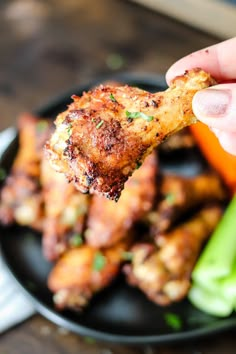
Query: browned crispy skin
x=21 y=199
x=76 y=277
x=180 y=195
x=65 y=212
x=109 y=222
x=163 y=274
x=98 y=144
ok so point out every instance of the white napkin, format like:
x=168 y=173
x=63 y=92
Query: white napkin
x=14 y=306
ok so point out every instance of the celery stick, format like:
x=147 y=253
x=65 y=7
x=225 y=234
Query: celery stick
x=228 y=284
x=210 y=302
x=214 y=276
x=216 y=261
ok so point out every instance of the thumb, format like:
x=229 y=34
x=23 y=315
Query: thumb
x=216 y=107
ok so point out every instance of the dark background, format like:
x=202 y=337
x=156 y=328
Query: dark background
x=48 y=47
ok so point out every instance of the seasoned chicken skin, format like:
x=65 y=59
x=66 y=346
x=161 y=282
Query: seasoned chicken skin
x=103 y=135
x=83 y=271
x=21 y=198
x=65 y=212
x=109 y=222
x=180 y=195
x=163 y=273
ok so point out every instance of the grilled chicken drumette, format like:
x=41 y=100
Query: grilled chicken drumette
x=105 y=134
x=81 y=272
x=179 y=195
x=109 y=222
x=21 y=198
x=65 y=210
x=163 y=273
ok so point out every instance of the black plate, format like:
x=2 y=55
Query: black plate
x=119 y=313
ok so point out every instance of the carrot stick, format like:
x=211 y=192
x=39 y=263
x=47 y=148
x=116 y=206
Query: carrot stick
x=223 y=162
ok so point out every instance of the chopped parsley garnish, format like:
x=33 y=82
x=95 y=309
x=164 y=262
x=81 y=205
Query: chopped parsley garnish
x=99 y=124
x=2 y=174
x=127 y=256
x=41 y=126
x=173 y=321
x=76 y=240
x=170 y=198
x=135 y=115
x=113 y=98
x=138 y=164
x=99 y=261
x=69 y=129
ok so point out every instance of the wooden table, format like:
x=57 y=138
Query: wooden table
x=49 y=46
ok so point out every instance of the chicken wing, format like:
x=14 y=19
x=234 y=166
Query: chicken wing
x=180 y=195
x=163 y=274
x=21 y=198
x=109 y=222
x=65 y=212
x=103 y=135
x=83 y=271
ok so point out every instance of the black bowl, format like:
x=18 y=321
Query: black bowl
x=119 y=313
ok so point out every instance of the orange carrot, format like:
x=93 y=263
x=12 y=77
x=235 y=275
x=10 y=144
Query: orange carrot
x=223 y=162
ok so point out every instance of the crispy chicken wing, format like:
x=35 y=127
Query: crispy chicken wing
x=109 y=222
x=163 y=273
x=83 y=271
x=65 y=212
x=103 y=135
x=180 y=195
x=21 y=199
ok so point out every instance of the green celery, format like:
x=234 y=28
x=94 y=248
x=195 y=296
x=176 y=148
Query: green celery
x=217 y=259
x=229 y=284
x=214 y=276
x=210 y=302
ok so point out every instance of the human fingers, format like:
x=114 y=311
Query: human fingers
x=219 y=60
x=227 y=140
x=216 y=107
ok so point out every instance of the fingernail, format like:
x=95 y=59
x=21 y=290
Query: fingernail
x=212 y=102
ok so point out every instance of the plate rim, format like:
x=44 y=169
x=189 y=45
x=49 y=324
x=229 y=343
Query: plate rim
x=56 y=317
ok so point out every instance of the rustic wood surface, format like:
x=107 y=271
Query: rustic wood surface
x=49 y=46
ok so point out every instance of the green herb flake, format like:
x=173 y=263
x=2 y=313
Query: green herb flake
x=127 y=256
x=76 y=240
x=99 y=124
x=41 y=126
x=69 y=128
x=113 y=98
x=99 y=261
x=114 y=61
x=3 y=174
x=173 y=321
x=135 y=115
x=89 y=340
x=138 y=165
x=170 y=198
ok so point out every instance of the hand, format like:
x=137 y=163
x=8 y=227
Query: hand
x=215 y=106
